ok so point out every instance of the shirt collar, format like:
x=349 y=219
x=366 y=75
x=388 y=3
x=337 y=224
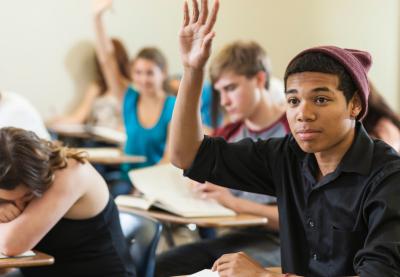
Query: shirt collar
x=358 y=157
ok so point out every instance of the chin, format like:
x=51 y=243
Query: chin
x=235 y=118
x=308 y=147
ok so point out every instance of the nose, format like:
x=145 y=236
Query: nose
x=224 y=99
x=305 y=112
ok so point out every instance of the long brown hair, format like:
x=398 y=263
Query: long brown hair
x=154 y=55
x=122 y=57
x=28 y=160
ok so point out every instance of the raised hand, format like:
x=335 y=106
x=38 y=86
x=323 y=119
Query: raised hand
x=100 y=6
x=196 y=34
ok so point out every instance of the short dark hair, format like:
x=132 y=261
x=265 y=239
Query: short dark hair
x=320 y=62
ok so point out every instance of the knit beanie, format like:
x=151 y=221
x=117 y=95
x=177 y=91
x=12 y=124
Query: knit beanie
x=357 y=64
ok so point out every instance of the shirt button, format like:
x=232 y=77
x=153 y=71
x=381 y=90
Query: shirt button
x=315 y=257
x=311 y=223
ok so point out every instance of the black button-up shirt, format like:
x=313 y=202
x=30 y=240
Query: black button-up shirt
x=347 y=223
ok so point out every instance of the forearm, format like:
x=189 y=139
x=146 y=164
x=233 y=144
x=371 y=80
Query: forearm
x=250 y=207
x=108 y=62
x=187 y=134
x=103 y=42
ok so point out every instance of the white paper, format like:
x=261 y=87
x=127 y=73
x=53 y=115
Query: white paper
x=25 y=254
x=205 y=273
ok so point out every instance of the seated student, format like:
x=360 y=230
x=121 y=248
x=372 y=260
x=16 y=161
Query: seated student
x=16 y=111
x=381 y=121
x=336 y=188
x=206 y=103
x=99 y=106
x=52 y=200
x=147 y=109
x=240 y=74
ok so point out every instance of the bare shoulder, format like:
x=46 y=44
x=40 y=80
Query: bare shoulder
x=76 y=174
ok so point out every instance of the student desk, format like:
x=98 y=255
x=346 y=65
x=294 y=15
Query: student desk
x=40 y=259
x=240 y=220
x=110 y=156
x=69 y=132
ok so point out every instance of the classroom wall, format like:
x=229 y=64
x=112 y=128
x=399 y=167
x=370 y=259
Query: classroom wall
x=46 y=51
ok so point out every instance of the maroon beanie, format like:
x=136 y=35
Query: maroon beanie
x=357 y=64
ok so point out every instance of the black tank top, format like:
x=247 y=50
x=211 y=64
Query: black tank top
x=90 y=247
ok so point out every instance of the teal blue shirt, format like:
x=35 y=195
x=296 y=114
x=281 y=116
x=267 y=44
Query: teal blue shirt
x=148 y=142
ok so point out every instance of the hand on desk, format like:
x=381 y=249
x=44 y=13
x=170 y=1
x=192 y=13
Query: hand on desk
x=241 y=265
x=222 y=195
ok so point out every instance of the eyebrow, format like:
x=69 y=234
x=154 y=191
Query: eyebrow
x=229 y=85
x=317 y=89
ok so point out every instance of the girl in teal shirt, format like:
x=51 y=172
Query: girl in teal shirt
x=147 y=110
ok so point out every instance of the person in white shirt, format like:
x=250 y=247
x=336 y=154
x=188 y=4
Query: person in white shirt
x=16 y=111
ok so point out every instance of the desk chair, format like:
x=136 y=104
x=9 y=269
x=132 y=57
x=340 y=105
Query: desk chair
x=143 y=234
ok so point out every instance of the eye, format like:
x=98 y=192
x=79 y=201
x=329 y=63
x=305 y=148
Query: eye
x=293 y=101
x=230 y=87
x=321 y=100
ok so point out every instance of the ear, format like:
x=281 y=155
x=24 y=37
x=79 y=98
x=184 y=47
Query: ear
x=261 y=77
x=355 y=105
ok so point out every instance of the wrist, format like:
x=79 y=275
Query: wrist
x=193 y=70
x=234 y=204
x=97 y=16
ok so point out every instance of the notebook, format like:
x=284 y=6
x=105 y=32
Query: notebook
x=98 y=131
x=164 y=186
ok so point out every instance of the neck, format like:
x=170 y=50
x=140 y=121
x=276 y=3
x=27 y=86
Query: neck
x=155 y=95
x=329 y=160
x=268 y=111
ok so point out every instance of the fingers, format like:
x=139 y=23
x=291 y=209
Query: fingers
x=226 y=258
x=213 y=17
x=206 y=47
x=8 y=213
x=203 y=12
x=206 y=187
x=195 y=12
x=186 y=17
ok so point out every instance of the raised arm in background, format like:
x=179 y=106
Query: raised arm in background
x=195 y=39
x=105 y=51
x=81 y=113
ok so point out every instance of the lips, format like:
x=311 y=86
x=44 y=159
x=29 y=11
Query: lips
x=308 y=134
